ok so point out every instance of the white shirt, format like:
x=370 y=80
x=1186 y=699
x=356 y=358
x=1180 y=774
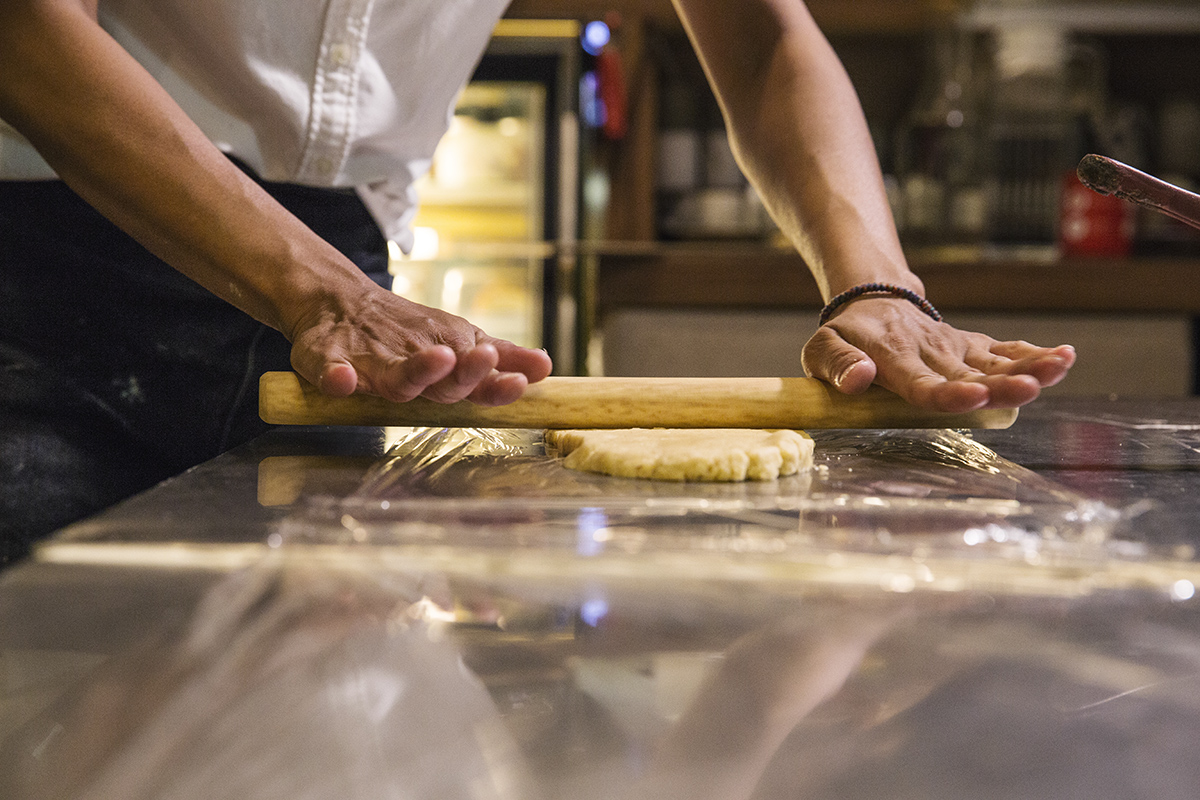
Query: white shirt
x=333 y=93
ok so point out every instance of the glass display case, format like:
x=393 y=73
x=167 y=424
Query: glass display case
x=498 y=216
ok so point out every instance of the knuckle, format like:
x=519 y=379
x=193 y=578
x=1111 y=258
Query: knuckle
x=400 y=387
x=824 y=337
x=443 y=396
x=401 y=394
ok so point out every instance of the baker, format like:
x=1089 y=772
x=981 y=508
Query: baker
x=195 y=193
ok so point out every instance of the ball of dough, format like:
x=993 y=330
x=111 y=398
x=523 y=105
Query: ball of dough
x=685 y=454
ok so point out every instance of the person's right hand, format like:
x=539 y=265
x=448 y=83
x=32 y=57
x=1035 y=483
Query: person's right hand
x=375 y=342
x=890 y=342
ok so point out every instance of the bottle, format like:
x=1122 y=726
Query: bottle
x=937 y=152
x=1027 y=140
x=1091 y=224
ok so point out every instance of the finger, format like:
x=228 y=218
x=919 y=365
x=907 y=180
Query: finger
x=1011 y=391
x=978 y=379
x=982 y=377
x=1051 y=369
x=1048 y=365
x=1016 y=350
x=403 y=378
x=831 y=358
x=330 y=372
x=533 y=364
x=338 y=379
x=471 y=368
x=936 y=392
x=945 y=385
x=499 y=388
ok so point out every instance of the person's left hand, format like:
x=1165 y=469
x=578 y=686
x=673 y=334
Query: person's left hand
x=890 y=342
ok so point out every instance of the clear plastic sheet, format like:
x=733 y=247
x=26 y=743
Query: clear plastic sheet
x=929 y=473
x=903 y=509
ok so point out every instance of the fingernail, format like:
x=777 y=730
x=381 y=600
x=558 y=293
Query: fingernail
x=841 y=376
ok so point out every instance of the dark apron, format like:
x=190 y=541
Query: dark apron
x=116 y=371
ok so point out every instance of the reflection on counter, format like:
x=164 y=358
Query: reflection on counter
x=325 y=681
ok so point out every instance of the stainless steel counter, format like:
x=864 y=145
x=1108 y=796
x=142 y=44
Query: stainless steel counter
x=366 y=613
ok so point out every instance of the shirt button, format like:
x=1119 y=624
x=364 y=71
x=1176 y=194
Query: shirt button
x=341 y=54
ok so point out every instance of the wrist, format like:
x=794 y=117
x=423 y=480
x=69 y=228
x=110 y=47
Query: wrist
x=877 y=289
x=882 y=271
x=838 y=267
x=315 y=290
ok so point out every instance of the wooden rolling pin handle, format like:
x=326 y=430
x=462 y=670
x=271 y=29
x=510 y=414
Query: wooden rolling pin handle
x=561 y=402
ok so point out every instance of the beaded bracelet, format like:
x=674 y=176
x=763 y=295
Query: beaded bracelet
x=878 y=288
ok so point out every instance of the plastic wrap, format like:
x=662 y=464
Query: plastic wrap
x=902 y=510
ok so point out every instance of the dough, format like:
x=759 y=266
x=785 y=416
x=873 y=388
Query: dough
x=685 y=454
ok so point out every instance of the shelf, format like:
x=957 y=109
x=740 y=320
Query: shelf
x=1097 y=17
x=478 y=194
x=907 y=16
x=834 y=16
x=754 y=276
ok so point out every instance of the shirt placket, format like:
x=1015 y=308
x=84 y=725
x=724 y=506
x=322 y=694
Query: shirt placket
x=334 y=100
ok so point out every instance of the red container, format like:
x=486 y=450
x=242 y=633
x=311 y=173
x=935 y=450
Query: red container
x=1093 y=224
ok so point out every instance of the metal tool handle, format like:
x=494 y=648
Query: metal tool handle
x=1108 y=176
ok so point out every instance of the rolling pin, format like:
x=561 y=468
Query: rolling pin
x=1107 y=176
x=562 y=402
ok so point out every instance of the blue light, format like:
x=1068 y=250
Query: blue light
x=593 y=611
x=595 y=36
x=590 y=521
x=590 y=104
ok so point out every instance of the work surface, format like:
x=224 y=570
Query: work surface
x=339 y=612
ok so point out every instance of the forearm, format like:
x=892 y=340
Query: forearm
x=115 y=137
x=798 y=130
